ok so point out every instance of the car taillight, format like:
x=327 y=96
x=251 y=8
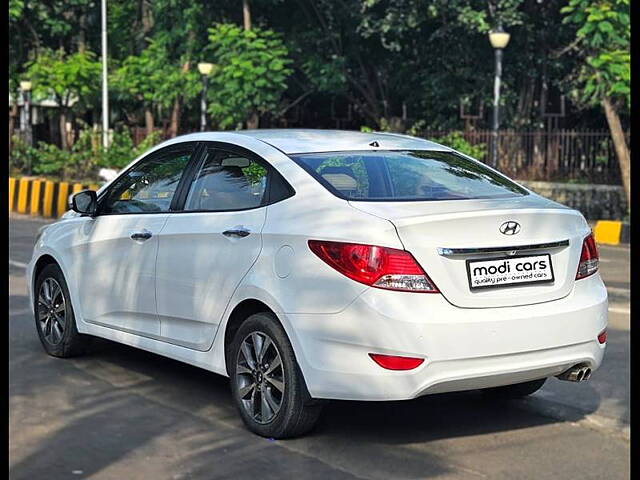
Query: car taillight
x=589 y=258
x=380 y=267
x=394 y=362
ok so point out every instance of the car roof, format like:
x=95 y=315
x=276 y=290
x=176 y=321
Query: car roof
x=307 y=140
x=312 y=140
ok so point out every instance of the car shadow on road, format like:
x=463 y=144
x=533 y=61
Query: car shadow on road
x=131 y=399
x=422 y=419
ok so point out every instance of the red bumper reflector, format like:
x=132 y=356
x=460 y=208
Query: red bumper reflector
x=392 y=362
x=602 y=338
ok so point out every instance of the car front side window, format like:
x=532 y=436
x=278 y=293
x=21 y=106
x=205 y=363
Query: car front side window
x=149 y=186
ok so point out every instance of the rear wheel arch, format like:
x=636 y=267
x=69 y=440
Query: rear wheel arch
x=239 y=314
x=296 y=412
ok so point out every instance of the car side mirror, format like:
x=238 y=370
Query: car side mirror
x=85 y=202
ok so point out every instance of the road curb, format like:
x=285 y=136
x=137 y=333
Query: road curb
x=612 y=232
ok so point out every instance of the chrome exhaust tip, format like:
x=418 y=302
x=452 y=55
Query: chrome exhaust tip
x=577 y=373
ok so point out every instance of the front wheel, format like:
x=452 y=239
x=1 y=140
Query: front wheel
x=519 y=390
x=55 y=321
x=266 y=382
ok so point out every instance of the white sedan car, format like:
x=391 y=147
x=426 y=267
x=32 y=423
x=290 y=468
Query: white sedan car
x=309 y=265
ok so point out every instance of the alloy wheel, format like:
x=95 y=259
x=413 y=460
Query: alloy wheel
x=51 y=311
x=260 y=377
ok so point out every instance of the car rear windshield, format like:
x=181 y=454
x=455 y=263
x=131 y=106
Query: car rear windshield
x=405 y=176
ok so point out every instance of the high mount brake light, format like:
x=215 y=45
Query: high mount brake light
x=589 y=258
x=380 y=267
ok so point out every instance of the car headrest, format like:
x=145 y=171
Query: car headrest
x=340 y=178
x=225 y=179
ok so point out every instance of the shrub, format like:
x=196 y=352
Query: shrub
x=456 y=141
x=84 y=159
x=122 y=151
x=22 y=158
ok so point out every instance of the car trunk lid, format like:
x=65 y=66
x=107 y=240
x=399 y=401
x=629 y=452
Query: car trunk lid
x=444 y=235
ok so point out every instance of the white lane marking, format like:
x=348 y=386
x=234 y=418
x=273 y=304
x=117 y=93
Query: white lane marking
x=17 y=264
x=620 y=310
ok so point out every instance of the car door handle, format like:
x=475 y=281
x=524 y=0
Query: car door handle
x=239 y=232
x=144 y=235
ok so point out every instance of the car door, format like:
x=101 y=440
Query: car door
x=208 y=248
x=114 y=256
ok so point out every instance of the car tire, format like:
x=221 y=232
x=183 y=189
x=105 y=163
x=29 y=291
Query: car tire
x=264 y=408
x=54 y=317
x=518 y=390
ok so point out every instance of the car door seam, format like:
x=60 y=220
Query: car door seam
x=226 y=308
x=155 y=273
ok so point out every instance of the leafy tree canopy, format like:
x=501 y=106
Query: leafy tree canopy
x=68 y=78
x=366 y=60
x=250 y=75
x=152 y=79
x=602 y=41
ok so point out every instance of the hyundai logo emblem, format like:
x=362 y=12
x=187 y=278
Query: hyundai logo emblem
x=509 y=228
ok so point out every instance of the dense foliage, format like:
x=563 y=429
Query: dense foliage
x=602 y=39
x=362 y=61
x=604 y=76
x=84 y=159
x=250 y=78
x=395 y=65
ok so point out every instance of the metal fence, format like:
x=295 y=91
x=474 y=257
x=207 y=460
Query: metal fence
x=552 y=155
x=586 y=156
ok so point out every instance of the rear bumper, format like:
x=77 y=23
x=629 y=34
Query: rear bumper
x=464 y=348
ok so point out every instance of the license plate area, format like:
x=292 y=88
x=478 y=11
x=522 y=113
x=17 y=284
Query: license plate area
x=509 y=271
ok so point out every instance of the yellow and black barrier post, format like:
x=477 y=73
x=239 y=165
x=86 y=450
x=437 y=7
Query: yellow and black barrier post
x=611 y=232
x=39 y=197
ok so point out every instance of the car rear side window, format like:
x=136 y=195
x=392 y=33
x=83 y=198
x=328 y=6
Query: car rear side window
x=227 y=181
x=406 y=176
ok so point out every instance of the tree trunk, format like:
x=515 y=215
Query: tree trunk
x=620 y=144
x=253 y=121
x=174 y=123
x=246 y=14
x=146 y=18
x=13 y=113
x=148 y=120
x=82 y=34
x=63 y=130
x=70 y=132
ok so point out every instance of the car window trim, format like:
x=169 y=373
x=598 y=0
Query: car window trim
x=183 y=146
x=192 y=168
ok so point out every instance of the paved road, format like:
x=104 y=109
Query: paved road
x=123 y=413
